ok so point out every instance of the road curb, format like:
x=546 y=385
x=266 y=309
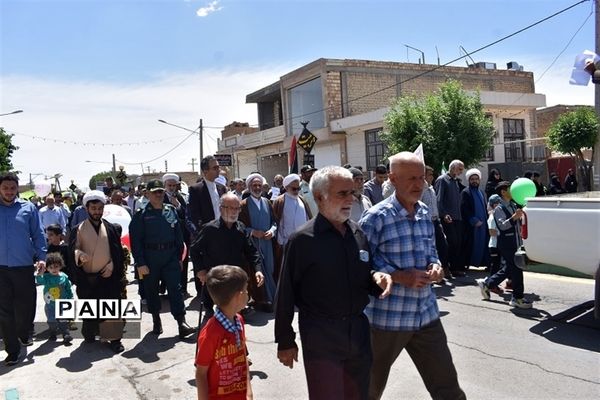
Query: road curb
x=556 y=270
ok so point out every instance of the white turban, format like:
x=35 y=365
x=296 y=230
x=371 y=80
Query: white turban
x=290 y=178
x=252 y=177
x=94 y=195
x=221 y=179
x=473 y=171
x=167 y=177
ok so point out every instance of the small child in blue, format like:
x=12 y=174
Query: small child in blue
x=56 y=286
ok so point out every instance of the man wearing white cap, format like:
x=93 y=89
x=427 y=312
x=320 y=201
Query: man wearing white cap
x=473 y=208
x=176 y=199
x=291 y=211
x=257 y=215
x=98 y=258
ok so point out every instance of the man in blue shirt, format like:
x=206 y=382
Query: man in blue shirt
x=402 y=243
x=21 y=243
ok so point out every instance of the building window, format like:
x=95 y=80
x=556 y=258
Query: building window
x=376 y=149
x=306 y=104
x=514 y=135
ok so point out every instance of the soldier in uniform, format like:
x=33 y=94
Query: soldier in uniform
x=156 y=244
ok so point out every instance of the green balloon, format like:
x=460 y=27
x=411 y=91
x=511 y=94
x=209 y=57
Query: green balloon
x=521 y=189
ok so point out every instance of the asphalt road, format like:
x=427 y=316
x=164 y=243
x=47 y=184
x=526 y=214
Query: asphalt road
x=499 y=352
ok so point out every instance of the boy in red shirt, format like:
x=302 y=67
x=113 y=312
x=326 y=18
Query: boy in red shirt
x=221 y=365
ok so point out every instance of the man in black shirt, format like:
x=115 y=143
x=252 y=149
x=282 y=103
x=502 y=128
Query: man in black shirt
x=223 y=241
x=327 y=275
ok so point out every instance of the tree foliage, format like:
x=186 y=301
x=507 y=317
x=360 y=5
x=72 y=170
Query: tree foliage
x=6 y=150
x=99 y=178
x=573 y=132
x=450 y=123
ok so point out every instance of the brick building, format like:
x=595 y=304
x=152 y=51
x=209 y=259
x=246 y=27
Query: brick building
x=344 y=102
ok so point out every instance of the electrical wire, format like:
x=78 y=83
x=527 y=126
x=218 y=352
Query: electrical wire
x=553 y=61
x=162 y=155
x=55 y=140
x=443 y=65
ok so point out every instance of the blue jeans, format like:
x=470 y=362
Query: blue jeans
x=56 y=325
x=508 y=271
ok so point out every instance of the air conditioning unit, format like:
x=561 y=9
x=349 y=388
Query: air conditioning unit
x=514 y=66
x=485 y=65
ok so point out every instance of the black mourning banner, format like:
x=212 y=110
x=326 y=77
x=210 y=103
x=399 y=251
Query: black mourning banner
x=306 y=140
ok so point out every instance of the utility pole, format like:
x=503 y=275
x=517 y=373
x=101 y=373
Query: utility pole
x=114 y=170
x=200 y=139
x=596 y=158
x=166 y=166
x=192 y=163
x=148 y=168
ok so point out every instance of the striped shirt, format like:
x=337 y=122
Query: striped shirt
x=399 y=242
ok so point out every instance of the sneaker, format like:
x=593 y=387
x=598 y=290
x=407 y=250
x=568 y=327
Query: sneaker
x=485 y=291
x=520 y=303
x=67 y=338
x=11 y=359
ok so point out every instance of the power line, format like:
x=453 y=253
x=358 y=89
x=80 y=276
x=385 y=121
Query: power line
x=161 y=156
x=553 y=61
x=446 y=64
x=56 y=140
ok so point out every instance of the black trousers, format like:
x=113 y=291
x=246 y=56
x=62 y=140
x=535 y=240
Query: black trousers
x=93 y=286
x=17 y=305
x=441 y=245
x=454 y=237
x=337 y=357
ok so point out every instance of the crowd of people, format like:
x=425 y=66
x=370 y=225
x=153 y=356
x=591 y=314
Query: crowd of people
x=357 y=259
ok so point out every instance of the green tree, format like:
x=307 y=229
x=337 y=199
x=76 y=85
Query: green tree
x=99 y=178
x=573 y=132
x=6 y=150
x=450 y=123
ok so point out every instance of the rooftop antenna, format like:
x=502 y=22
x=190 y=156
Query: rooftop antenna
x=422 y=59
x=438 y=54
x=466 y=54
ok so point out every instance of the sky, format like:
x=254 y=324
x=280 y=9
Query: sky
x=93 y=77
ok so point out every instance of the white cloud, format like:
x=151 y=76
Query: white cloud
x=210 y=8
x=102 y=112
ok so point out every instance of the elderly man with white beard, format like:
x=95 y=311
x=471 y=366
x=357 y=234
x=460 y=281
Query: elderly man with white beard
x=291 y=211
x=257 y=215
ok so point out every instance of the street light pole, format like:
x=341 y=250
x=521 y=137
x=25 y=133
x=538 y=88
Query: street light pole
x=198 y=130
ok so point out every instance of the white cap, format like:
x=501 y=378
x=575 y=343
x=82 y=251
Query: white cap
x=221 y=179
x=473 y=171
x=167 y=177
x=252 y=177
x=93 y=195
x=290 y=178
